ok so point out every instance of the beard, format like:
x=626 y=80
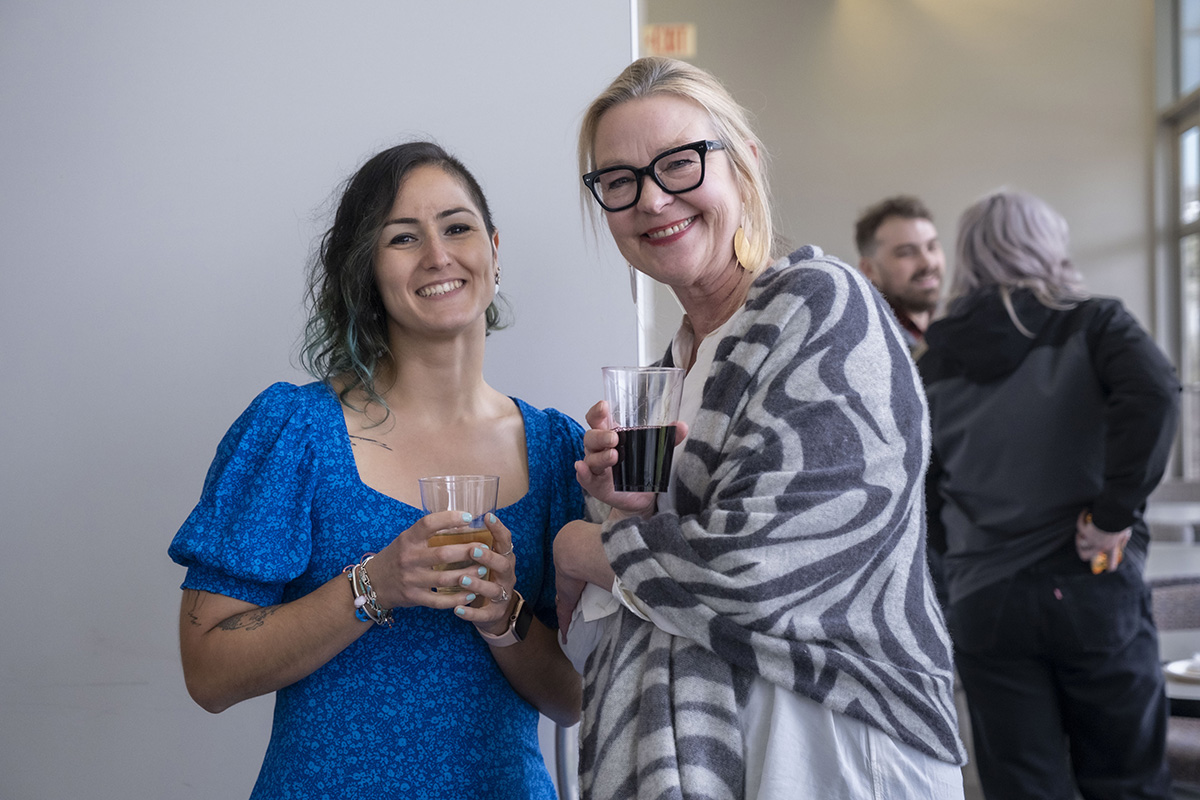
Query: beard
x=918 y=301
x=914 y=298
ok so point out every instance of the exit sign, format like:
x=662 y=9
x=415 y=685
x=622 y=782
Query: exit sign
x=677 y=41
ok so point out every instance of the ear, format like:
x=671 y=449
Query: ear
x=867 y=267
x=496 y=243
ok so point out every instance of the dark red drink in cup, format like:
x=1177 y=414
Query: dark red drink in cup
x=644 y=404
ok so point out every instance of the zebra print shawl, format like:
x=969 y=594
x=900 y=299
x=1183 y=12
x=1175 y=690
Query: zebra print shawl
x=797 y=551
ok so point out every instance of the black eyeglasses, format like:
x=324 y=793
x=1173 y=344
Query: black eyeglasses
x=676 y=171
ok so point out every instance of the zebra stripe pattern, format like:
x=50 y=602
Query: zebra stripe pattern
x=797 y=552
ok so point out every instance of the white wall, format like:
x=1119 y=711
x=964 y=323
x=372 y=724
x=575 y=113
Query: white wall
x=947 y=99
x=164 y=170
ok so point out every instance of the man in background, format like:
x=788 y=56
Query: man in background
x=900 y=253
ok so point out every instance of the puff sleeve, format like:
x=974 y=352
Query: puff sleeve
x=251 y=532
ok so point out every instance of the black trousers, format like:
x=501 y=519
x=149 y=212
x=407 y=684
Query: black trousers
x=1064 y=686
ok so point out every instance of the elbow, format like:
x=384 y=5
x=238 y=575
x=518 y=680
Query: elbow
x=568 y=710
x=210 y=694
x=564 y=716
x=570 y=718
x=208 y=699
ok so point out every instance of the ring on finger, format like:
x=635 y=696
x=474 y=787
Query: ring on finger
x=503 y=598
x=511 y=549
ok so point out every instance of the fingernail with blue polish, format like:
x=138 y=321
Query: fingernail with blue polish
x=477 y=552
x=491 y=517
x=466 y=580
x=470 y=598
x=460 y=610
x=482 y=571
x=467 y=517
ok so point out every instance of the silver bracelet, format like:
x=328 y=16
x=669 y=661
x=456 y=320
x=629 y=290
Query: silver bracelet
x=366 y=603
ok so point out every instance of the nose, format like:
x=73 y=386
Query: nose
x=436 y=255
x=935 y=258
x=653 y=197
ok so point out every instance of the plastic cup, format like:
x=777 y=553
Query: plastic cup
x=644 y=404
x=473 y=494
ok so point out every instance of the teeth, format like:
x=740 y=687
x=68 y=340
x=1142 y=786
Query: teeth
x=671 y=230
x=441 y=288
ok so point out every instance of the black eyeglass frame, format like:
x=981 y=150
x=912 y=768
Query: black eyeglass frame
x=702 y=147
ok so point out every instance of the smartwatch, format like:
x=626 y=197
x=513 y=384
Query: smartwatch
x=518 y=625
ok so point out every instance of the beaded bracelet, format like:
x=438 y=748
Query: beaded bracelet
x=366 y=604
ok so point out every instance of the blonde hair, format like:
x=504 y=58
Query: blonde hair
x=652 y=76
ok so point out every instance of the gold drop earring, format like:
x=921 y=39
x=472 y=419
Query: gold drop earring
x=741 y=247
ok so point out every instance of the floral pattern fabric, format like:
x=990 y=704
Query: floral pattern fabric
x=417 y=710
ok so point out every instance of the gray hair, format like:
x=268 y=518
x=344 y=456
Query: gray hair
x=1014 y=240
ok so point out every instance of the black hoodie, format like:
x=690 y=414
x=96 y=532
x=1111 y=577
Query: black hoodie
x=1029 y=431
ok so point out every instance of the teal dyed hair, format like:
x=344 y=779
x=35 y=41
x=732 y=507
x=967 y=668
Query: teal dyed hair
x=346 y=333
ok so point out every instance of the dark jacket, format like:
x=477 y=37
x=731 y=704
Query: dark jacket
x=1028 y=432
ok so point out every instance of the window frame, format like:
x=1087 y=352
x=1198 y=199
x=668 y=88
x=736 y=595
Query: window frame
x=1175 y=115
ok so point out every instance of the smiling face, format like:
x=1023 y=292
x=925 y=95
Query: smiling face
x=682 y=240
x=907 y=264
x=435 y=263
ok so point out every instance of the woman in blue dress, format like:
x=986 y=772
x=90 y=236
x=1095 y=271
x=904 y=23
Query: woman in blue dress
x=309 y=573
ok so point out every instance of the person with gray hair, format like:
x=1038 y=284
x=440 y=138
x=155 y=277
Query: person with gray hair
x=1053 y=414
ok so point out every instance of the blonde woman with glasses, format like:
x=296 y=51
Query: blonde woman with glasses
x=767 y=628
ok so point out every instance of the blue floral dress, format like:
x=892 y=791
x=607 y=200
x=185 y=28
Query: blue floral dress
x=417 y=710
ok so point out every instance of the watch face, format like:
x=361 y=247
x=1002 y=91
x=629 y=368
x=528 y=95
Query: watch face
x=522 y=622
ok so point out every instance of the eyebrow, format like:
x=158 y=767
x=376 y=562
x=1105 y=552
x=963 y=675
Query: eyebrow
x=600 y=166
x=449 y=212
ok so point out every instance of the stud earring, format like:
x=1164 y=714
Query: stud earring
x=497 y=274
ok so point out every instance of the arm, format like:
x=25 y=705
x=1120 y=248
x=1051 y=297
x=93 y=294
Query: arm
x=233 y=650
x=579 y=559
x=1141 y=414
x=803 y=476
x=579 y=556
x=536 y=668
x=540 y=673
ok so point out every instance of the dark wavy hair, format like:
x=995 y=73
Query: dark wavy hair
x=346 y=333
x=870 y=221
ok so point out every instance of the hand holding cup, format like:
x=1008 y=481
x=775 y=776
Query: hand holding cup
x=641 y=403
x=644 y=405
x=475 y=497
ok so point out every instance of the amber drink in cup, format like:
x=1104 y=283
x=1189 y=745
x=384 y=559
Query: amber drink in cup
x=644 y=405
x=471 y=494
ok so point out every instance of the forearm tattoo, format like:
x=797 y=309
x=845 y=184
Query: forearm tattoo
x=248 y=620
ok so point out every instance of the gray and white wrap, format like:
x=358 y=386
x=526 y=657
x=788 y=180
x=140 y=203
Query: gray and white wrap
x=797 y=551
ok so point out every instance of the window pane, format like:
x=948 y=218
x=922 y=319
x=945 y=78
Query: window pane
x=1189 y=176
x=1189 y=259
x=1189 y=355
x=1189 y=45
